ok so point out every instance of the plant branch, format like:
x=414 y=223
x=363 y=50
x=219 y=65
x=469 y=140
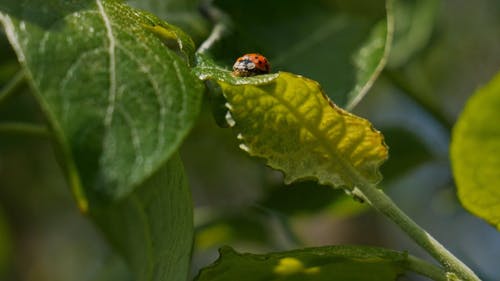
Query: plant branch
x=221 y=25
x=12 y=85
x=18 y=128
x=380 y=201
x=425 y=268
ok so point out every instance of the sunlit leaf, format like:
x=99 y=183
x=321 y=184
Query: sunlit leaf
x=117 y=98
x=153 y=226
x=314 y=264
x=288 y=120
x=475 y=153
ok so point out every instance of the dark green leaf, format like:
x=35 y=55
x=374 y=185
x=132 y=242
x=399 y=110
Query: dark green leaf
x=153 y=226
x=332 y=263
x=118 y=100
x=475 y=153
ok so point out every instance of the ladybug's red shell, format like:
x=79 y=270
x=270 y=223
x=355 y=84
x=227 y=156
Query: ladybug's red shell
x=250 y=65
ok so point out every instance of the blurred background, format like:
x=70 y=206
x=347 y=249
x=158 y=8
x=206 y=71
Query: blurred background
x=446 y=50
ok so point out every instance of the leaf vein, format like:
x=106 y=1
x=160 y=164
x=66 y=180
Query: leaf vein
x=112 y=65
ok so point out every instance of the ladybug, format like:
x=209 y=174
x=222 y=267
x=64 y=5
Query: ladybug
x=250 y=65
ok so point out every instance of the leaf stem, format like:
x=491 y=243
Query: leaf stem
x=12 y=85
x=425 y=268
x=380 y=201
x=18 y=128
x=221 y=25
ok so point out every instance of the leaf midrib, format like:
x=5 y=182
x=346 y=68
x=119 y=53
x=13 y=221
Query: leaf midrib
x=347 y=168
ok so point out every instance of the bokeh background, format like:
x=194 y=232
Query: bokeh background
x=240 y=202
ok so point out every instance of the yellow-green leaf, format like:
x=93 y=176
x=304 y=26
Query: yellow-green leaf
x=475 y=153
x=289 y=121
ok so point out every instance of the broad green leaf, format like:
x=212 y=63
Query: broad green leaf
x=340 y=44
x=118 y=100
x=288 y=120
x=413 y=29
x=313 y=264
x=153 y=226
x=475 y=153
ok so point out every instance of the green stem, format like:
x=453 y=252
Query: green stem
x=380 y=201
x=425 y=268
x=221 y=25
x=18 y=128
x=12 y=85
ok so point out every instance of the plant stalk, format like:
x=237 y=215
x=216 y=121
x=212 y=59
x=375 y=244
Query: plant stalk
x=425 y=268
x=380 y=201
x=221 y=25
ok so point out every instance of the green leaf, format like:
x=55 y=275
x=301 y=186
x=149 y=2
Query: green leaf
x=414 y=26
x=312 y=264
x=475 y=153
x=118 y=100
x=289 y=121
x=153 y=226
x=340 y=44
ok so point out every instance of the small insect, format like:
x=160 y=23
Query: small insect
x=250 y=65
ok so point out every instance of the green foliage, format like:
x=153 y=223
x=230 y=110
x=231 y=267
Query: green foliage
x=312 y=264
x=140 y=98
x=153 y=226
x=475 y=153
x=120 y=89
